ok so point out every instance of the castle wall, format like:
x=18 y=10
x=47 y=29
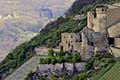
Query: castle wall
x=106 y=23
x=71 y=41
x=90 y=18
x=100 y=43
x=77 y=46
x=105 y=18
x=114 y=31
x=100 y=22
x=87 y=48
x=117 y=42
x=115 y=51
x=113 y=16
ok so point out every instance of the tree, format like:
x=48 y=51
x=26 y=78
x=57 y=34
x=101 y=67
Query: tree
x=41 y=61
x=51 y=52
x=89 y=64
x=53 y=77
x=60 y=59
x=76 y=57
x=61 y=53
x=76 y=77
x=53 y=60
x=83 y=76
x=48 y=60
x=68 y=58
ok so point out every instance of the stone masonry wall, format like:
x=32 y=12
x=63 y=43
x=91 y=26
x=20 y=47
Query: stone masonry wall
x=70 y=41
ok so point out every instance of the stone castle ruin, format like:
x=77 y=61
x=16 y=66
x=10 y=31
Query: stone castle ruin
x=102 y=34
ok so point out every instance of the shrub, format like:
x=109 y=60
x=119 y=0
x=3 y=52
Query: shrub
x=76 y=77
x=61 y=53
x=68 y=58
x=53 y=60
x=51 y=52
x=61 y=59
x=41 y=61
x=76 y=57
x=83 y=76
x=48 y=60
x=89 y=64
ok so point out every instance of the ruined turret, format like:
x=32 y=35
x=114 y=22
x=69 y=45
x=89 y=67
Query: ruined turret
x=100 y=22
x=100 y=28
x=90 y=20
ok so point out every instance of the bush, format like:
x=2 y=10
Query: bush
x=76 y=77
x=41 y=61
x=61 y=59
x=76 y=57
x=53 y=60
x=48 y=60
x=51 y=52
x=83 y=76
x=61 y=53
x=68 y=58
x=89 y=64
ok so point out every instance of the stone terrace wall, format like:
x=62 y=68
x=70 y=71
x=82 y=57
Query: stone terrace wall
x=68 y=66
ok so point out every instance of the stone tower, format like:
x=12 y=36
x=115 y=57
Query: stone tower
x=87 y=46
x=100 y=21
x=100 y=28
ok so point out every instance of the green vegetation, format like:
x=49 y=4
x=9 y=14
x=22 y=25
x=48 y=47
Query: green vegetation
x=79 y=5
x=49 y=37
x=76 y=57
x=16 y=58
x=98 y=67
x=89 y=65
x=81 y=76
x=96 y=75
x=51 y=52
x=101 y=67
x=60 y=57
x=113 y=73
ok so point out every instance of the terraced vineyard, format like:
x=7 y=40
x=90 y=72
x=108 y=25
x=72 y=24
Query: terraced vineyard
x=97 y=74
x=113 y=73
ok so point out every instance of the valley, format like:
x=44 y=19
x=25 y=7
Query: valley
x=20 y=20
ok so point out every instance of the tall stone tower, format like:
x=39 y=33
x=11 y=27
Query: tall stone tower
x=100 y=22
x=100 y=28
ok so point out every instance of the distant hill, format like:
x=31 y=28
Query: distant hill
x=33 y=16
x=49 y=37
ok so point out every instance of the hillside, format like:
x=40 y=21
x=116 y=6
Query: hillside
x=113 y=73
x=20 y=20
x=49 y=37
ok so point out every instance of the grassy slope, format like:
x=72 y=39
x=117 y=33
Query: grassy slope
x=97 y=74
x=113 y=73
x=50 y=37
